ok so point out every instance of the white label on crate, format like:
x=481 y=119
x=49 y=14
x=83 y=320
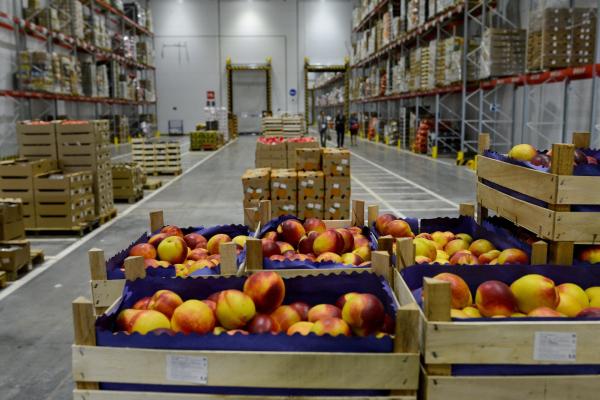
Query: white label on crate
x=283 y=186
x=259 y=190
x=310 y=206
x=555 y=346
x=336 y=185
x=5 y=260
x=250 y=190
x=187 y=369
x=311 y=182
x=303 y=183
x=276 y=184
x=337 y=205
x=345 y=162
x=339 y=168
x=332 y=210
x=317 y=206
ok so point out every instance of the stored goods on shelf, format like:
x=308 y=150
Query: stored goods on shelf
x=502 y=52
x=127 y=181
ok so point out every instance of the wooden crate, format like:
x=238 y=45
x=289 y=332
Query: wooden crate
x=14 y=257
x=555 y=223
x=397 y=371
x=446 y=343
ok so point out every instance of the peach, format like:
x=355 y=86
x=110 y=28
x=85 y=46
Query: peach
x=321 y=311
x=173 y=250
x=471 y=312
x=266 y=289
x=351 y=258
x=215 y=258
x=200 y=264
x=314 y=225
x=495 y=298
x=364 y=252
x=455 y=245
x=518 y=315
x=165 y=301
x=545 y=312
x=481 y=246
x=522 y=152
x=240 y=241
x=148 y=320
x=305 y=245
x=172 y=230
x=381 y=221
x=195 y=241
x=328 y=256
x=193 y=316
x=198 y=254
x=291 y=230
x=590 y=254
x=422 y=260
x=459 y=314
x=463 y=236
x=270 y=248
x=589 y=312
x=568 y=305
x=488 y=257
x=214 y=297
x=533 y=291
x=302 y=309
x=347 y=238
x=339 y=303
x=441 y=261
x=271 y=235
x=355 y=230
x=125 y=319
x=389 y=325
x=285 y=316
x=441 y=238
x=593 y=294
x=398 y=228
x=329 y=241
x=461 y=294
x=143 y=250
x=331 y=326
x=284 y=247
x=237 y=332
x=213 y=243
x=289 y=254
x=425 y=248
x=211 y=304
x=360 y=240
x=513 y=256
x=277 y=257
x=463 y=257
x=151 y=263
x=234 y=309
x=218 y=330
x=574 y=291
x=262 y=323
x=181 y=271
x=425 y=235
x=300 y=257
x=142 y=304
x=156 y=239
x=303 y=328
x=364 y=313
x=442 y=255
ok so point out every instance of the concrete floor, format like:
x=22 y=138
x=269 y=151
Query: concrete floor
x=35 y=313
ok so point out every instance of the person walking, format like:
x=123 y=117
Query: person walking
x=322 y=122
x=339 y=129
x=353 y=129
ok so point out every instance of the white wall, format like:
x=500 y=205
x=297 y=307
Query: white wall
x=248 y=32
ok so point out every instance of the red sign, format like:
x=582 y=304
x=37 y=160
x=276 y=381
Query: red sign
x=210 y=95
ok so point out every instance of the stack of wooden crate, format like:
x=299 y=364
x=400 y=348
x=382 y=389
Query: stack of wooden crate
x=128 y=182
x=157 y=157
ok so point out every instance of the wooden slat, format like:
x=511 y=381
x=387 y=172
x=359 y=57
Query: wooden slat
x=583 y=227
x=581 y=140
x=120 y=395
x=157 y=220
x=557 y=387
x=405 y=253
x=402 y=291
x=134 y=268
x=537 y=219
x=483 y=143
x=228 y=258
x=503 y=342
x=269 y=369
x=372 y=214
x=578 y=190
x=105 y=292
x=84 y=333
x=539 y=253
x=437 y=299
x=466 y=209
x=358 y=213
x=537 y=184
x=386 y=243
x=337 y=223
x=254 y=257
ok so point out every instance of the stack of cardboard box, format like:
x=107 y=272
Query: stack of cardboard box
x=157 y=157
x=284 y=191
x=127 y=182
x=37 y=140
x=502 y=52
x=257 y=186
x=17 y=181
x=311 y=194
x=336 y=169
x=271 y=155
x=292 y=145
x=64 y=200
x=11 y=219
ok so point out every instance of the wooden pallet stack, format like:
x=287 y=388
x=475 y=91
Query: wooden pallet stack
x=157 y=157
x=128 y=182
x=293 y=126
x=272 y=126
x=206 y=140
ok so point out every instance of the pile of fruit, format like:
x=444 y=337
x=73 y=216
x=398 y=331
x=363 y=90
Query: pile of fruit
x=271 y=139
x=420 y=143
x=532 y=295
x=304 y=139
x=312 y=241
x=449 y=248
x=257 y=309
x=187 y=253
x=528 y=153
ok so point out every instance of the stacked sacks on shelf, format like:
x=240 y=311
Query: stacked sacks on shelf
x=173 y=251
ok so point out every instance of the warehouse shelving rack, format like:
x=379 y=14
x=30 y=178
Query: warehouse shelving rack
x=342 y=76
x=47 y=103
x=473 y=104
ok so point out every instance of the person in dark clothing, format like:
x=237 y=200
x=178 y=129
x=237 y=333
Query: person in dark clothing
x=353 y=129
x=339 y=129
x=322 y=122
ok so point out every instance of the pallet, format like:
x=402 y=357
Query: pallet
x=3 y=279
x=397 y=371
x=446 y=343
x=152 y=184
x=175 y=172
x=36 y=256
x=104 y=218
x=554 y=223
x=80 y=230
x=129 y=200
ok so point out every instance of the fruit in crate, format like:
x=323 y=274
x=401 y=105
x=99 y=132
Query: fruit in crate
x=541 y=160
x=193 y=316
x=381 y=221
x=364 y=313
x=285 y=316
x=195 y=241
x=533 y=291
x=463 y=257
x=590 y=254
x=302 y=309
x=331 y=326
x=240 y=241
x=351 y=259
x=329 y=257
x=173 y=249
x=398 y=228
x=425 y=248
x=172 y=230
x=305 y=245
x=142 y=321
x=589 y=312
x=522 y=152
x=545 y=312
x=263 y=323
x=234 y=309
x=314 y=225
x=303 y=328
x=513 y=256
x=481 y=246
x=156 y=239
x=488 y=257
x=213 y=243
x=266 y=289
x=143 y=250
x=165 y=301
x=322 y=311
x=329 y=241
x=291 y=231
x=270 y=248
x=348 y=239
x=461 y=294
x=364 y=252
x=495 y=298
x=455 y=245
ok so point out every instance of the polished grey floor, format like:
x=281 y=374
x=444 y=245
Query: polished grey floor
x=35 y=315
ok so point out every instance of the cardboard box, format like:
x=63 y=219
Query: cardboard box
x=310 y=208
x=256 y=184
x=311 y=185
x=338 y=187
x=11 y=220
x=293 y=146
x=17 y=182
x=284 y=184
x=308 y=159
x=37 y=140
x=127 y=181
x=337 y=209
x=336 y=162
x=283 y=207
x=14 y=255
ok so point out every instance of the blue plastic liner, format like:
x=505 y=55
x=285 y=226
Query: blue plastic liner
x=476 y=275
x=311 y=289
x=114 y=264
